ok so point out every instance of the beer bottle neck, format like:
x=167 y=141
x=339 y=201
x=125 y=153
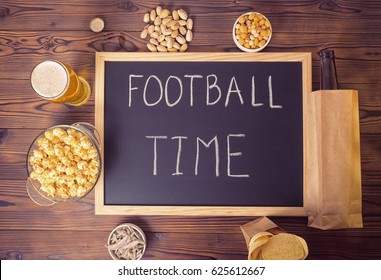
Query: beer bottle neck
x=328 y=74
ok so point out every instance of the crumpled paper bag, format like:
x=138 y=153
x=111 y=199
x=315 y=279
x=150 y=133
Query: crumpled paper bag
x=333 y=173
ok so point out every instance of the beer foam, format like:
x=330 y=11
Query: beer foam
x=49 y=79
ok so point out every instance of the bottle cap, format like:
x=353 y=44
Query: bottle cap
x=326 y=53
x=97 y=24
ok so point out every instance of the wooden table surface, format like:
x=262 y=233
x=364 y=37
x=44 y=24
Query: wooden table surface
x=32 y=31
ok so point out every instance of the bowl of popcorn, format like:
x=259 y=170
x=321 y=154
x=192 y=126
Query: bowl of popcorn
x=252 y=32
x=63 y=163
x=126 y=242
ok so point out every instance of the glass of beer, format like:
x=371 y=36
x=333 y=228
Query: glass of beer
x=57 y=82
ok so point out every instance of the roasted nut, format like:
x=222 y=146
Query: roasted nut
x=154 y=35
x=146 y=17
x=158 y=10
x=164 y=13
x=176 y=45
x=171 y=23
x=154 y=41
x=151 y=47
x=175 y=15
x=252 y=30
x=183 y=30
x=183 y=47
x=182 y=14
x=166 y=30
x=174 y=33
x=161 y=48
x=157 y=21
x=189 y=24
x=189 y=36
x=162 y=28
x=151 y=29
x=161 y=38
x=152 y=15
x=180 y=39
x=166 y=20
x=144 y=34
x=175 y=26
x=170 y=42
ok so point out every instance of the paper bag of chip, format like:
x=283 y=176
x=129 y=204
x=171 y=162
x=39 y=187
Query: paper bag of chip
x=266 y=241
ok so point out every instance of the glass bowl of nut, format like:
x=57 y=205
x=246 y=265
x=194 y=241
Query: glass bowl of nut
x=252 y=32
x=63 y=163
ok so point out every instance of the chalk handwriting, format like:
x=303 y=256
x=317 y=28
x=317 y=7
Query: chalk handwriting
x=199 y=142
x=155 y=151
x=213 y=91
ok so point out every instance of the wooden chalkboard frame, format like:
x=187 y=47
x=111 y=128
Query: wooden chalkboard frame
x=103 y=57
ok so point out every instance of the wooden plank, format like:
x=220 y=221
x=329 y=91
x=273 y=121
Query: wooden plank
x=17 y=212
x=301 y=16
x=349 y=71
x=341 y=247
x=75 y=245
x=22 y=108
x=68 y=238
x=90 y=245
x=363 y=46
x=56 y=42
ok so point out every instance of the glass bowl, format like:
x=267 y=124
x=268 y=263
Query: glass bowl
x=63 y=164
x=253 y=35
x=126 y=242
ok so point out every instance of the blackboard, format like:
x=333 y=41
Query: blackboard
x=221 y=132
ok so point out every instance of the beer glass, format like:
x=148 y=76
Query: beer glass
x=57 y=82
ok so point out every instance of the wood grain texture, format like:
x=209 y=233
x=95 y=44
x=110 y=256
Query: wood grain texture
x=32 y=31
x=167 y=246
x=301 y=16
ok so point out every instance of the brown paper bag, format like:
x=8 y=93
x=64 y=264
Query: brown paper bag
x=259 y=225
x=333 y=173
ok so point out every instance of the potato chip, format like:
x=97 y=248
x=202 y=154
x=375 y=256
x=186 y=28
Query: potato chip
x=256 y=242
x=259 y=235
x=256 y=246
x=283 y=246
x=304 y=244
